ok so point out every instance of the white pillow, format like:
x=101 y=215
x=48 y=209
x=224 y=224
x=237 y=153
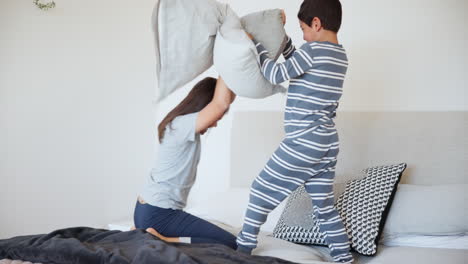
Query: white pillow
x=184 y=33
x=428 y=210
x=267 y=28
x=229 y=208
x=235 y=55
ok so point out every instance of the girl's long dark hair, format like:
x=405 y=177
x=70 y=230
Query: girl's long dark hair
x=200 y=95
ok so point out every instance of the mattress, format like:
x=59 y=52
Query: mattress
x=392 y=255
x=270 y=246
x=267 y=246
x=273 y=247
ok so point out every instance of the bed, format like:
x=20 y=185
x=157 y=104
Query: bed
x=434 y=145
x=378 y=137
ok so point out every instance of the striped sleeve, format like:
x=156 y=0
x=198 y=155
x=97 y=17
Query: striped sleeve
x=289 y=49
x=298 y=63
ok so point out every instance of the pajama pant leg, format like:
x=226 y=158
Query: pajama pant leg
x=294 y=163
x=272 y=185
x=320 y=189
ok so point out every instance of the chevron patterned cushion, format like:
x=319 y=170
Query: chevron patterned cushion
x=363 y=207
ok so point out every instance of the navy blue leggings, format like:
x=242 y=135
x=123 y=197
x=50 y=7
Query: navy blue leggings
x=177 y=223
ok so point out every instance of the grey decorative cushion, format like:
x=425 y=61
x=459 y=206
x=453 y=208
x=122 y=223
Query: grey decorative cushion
x=363 y=207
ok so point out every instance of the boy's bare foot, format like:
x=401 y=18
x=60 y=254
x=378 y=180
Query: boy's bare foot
x=132 y=228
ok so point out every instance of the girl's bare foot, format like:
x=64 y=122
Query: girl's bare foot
x=163 y=238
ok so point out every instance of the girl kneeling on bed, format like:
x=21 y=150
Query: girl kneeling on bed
x=164 y=196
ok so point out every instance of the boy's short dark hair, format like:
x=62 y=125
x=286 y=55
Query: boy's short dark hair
x=328 y=11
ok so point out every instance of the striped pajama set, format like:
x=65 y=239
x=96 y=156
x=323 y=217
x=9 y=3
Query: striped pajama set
x=308 y=154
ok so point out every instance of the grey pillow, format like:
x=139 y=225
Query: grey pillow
x=185 y=33
x=235 y=55
x=267 y=28
x=363 y=207
x=428 y=210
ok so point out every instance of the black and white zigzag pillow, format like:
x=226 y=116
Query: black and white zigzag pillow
x=363 y=207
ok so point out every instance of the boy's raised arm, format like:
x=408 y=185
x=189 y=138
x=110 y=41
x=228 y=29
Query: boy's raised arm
x=297 y=63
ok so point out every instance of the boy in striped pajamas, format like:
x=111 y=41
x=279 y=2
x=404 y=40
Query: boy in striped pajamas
x=308 y=153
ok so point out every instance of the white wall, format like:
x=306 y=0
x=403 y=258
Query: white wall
x=77 y=82
x=76 y=85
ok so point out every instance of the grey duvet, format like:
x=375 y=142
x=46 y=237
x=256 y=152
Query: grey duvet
x=88 y=245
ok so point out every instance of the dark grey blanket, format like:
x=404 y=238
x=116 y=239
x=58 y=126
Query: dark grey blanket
x=88 y=245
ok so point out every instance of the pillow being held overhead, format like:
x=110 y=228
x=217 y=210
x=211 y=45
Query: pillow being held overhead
x=235 y=55
x=185 y=32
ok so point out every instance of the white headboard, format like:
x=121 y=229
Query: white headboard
x=433 y=144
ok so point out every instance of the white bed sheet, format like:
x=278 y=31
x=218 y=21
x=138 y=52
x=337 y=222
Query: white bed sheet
x=278 y=248
x=274 y=247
